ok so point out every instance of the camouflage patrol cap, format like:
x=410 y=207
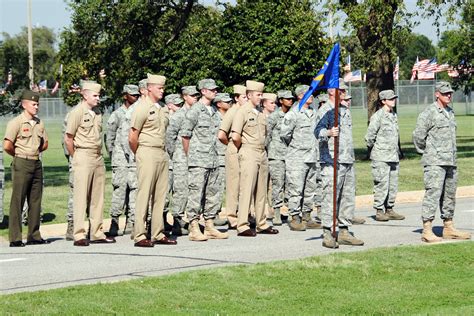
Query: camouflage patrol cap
x=301 y=89
x=173 y=99
x=30 y=95
x=323 y=98
x=443 y=87
x=224 y=97
x=387 y=95
x=207 y=84
x=285 y=94
x=130 y=89
x=269 y=96
x=342 y=84
x=142 y=83
x=189 y=90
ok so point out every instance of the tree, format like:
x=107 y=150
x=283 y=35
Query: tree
x=126 y=39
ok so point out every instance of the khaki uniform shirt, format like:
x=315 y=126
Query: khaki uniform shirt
x=226 y=126
x=251 y=125
x=85 y=126
x=28 y=136
x=151 y=120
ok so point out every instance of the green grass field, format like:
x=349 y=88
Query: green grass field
x=419 y=280
x=411 y=176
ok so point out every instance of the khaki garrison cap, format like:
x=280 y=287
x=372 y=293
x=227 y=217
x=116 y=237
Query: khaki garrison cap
x=254 y=86
x=443 y=87
x=269 y=96
x=240 y=89
x=30 y=95
x=156 y=79
x=387 y=95
x=94 y=87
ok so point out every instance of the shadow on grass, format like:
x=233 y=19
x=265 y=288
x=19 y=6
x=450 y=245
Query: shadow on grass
x=46 y=218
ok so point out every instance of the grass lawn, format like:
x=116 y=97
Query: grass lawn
x=411 y=174
x=403 y=280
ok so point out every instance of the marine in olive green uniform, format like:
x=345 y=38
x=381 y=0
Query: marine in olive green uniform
x=382 y=138
x=248 y=135
x=231 y=156
x=84 y=144
x=147 y=141
x=435 y=138
x=25 y=138
x=123 y=194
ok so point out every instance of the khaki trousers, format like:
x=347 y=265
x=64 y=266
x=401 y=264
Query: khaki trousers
x=89 y=188
x=152 y=167
x=231 y=183
x=253 y=187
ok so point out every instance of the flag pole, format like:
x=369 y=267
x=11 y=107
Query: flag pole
x=336 y=151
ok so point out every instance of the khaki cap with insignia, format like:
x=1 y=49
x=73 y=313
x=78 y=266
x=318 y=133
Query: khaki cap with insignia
x=239 y=89
x=156 y=79
x=30 y=95
x=269 y=96
x=387 y=95
x=443 y=87
x=254 y=86
x=92 y=86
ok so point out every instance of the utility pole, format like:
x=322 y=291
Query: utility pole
x=30 y=45
x=330 y=22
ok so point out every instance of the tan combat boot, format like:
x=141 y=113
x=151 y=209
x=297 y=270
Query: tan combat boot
x=346 y=238
x=356 y=220
x=212 y=233
x=195 y=232
x=380 y=216
x=428 y=235
x=70 y=230
x=309 y=222
x=296 y=223
x=277 y=217
x=449 y=232
x=328 y=239
x=317 y=217
x=392 y=215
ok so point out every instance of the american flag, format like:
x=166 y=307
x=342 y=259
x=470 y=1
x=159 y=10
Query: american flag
x=397 y=69
x=419 y=66
x=428 y=67
x=443 y=67
x=353 y=76
x=453 y=73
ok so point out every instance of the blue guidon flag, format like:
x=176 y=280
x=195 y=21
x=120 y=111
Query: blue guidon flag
x=327 y=77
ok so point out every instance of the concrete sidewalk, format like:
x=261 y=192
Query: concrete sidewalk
x=362 y=201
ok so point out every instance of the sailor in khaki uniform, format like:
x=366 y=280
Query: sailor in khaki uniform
x=231 y=156
x=84 y=143
x=25 y=138
x=147 y=141
x=248 y=135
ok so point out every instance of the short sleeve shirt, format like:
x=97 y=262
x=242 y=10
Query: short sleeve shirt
x=251 y=125
x=26 y=135
x=151 y=120
x=85 y=126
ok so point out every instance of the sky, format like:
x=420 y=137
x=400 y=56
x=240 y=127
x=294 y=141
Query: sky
x=56 y=15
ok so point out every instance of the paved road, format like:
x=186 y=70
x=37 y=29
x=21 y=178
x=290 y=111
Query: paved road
x=60 y=264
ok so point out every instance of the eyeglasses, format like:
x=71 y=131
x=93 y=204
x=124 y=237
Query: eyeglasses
x=446 y=94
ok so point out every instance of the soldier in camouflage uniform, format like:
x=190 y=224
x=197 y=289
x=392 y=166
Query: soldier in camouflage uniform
x=174 y=146
x=435 y=138
x=296 y=132
x=123 y=195
x=223 y=103
x=382 y=139
x=322 y=99
x=325 y=132
x=276 y=150
x=199 y=142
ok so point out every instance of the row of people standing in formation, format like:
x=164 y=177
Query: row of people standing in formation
x=213 y=143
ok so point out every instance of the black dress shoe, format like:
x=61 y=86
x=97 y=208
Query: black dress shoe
x=38 y=242
x=18 y=243
x=232 y=227
x=147 y=243
x=82 y=242
x=247 y=233
x=106 y=240
x=165 y=241
x=269 y=231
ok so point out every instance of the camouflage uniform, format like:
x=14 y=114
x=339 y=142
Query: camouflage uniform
x=435 y=138
x=277 y=150
x=201 y=125
x=114 y=145
x=221 y=149
x=345 y=172
x=382 y=137
x=300 y=159
x=174 y=146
